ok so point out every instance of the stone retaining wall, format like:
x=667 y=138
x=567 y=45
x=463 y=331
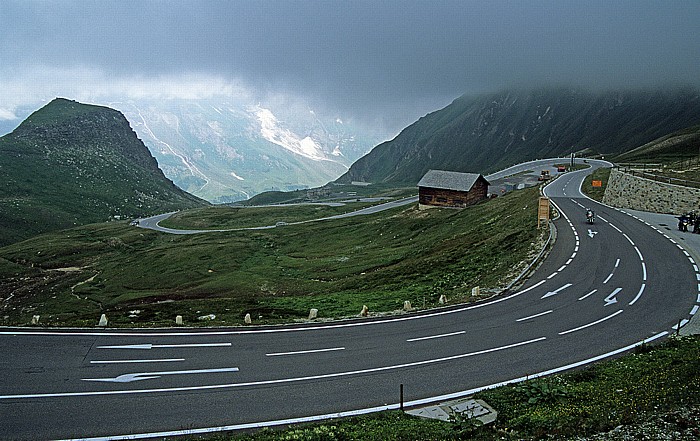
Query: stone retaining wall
x=627 y=191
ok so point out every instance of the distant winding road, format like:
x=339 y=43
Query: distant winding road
x=603 y=290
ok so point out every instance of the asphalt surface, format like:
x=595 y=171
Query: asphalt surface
x=603 y=290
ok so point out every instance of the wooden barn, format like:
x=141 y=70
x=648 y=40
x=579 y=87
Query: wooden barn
x=440 y=188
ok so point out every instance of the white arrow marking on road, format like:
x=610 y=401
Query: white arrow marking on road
x=128 y=378
x=592 y=233
x=552 y=293
x=609 y=300
x=150 y=346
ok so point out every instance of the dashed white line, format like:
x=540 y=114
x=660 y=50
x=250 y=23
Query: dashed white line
x=644 y=272
x=270 y=382
x=639 y=253
x=436 y=336
x=694 y=310
x=552 y=275
x=592 y=323
x=162 y=360
x=311 y=351
x=561 y=268
x=639 y=294
x=628 y=238
x=681 y=324
x=589 y=294
x=534 y=316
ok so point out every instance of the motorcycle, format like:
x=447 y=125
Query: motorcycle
x=590 y=216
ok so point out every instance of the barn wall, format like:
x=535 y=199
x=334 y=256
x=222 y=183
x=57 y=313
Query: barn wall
x=451 y=198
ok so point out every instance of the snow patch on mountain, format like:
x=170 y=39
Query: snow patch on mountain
x=271 y=130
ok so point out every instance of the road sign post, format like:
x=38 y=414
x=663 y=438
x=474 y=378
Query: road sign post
x=543 y=211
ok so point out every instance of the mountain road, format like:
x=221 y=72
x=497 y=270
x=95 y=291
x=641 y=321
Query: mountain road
x=604 y=289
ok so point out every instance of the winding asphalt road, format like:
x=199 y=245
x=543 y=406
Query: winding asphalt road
x=603 y=290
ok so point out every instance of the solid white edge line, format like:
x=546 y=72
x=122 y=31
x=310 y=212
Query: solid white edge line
x=534 y=316
x=310 y=351
x=639 y=294
x=436 y=336
x=592 y=323
x=357 y=412
x=162 y=360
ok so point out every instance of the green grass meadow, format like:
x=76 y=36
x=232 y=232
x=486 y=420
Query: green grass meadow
x=276 y=275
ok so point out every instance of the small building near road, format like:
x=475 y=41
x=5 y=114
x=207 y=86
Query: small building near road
x=439 y=188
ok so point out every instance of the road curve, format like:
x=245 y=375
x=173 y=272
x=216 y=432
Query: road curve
x=153 y=222
x=604 y=288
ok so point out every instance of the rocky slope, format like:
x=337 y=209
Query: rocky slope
x=70 y=163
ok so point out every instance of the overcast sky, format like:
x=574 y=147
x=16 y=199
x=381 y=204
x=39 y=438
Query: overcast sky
x=382 y=62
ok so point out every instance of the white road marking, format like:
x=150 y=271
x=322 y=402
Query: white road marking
x=607 y=279
x=682 y=323
x=639 y=254
x=571 y=259
x=562 y=268
x=311 y=351
x=150 y=346
x=534 y=316
x=612 y=299
x=436 y=336
x=156 y=360
x=694 y=310
x=644 y=272
x=589 y=294
x=128 y=378
x=278 y=381
x=592 y=324
x=628 y=238
x=639 y=294
x=349 y=413
x=551 y=275
x=556 y=291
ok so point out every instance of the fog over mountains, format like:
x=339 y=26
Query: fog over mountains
x=226 y=151
x=484 y=133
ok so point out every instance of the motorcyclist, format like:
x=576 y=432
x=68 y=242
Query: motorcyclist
x=590 y=215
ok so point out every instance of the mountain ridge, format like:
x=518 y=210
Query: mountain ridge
x=70 y=163
x=488 y=132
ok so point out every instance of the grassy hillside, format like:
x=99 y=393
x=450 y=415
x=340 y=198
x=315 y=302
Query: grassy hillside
x=675 y=147
x=71 y=164
x=336 y=266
